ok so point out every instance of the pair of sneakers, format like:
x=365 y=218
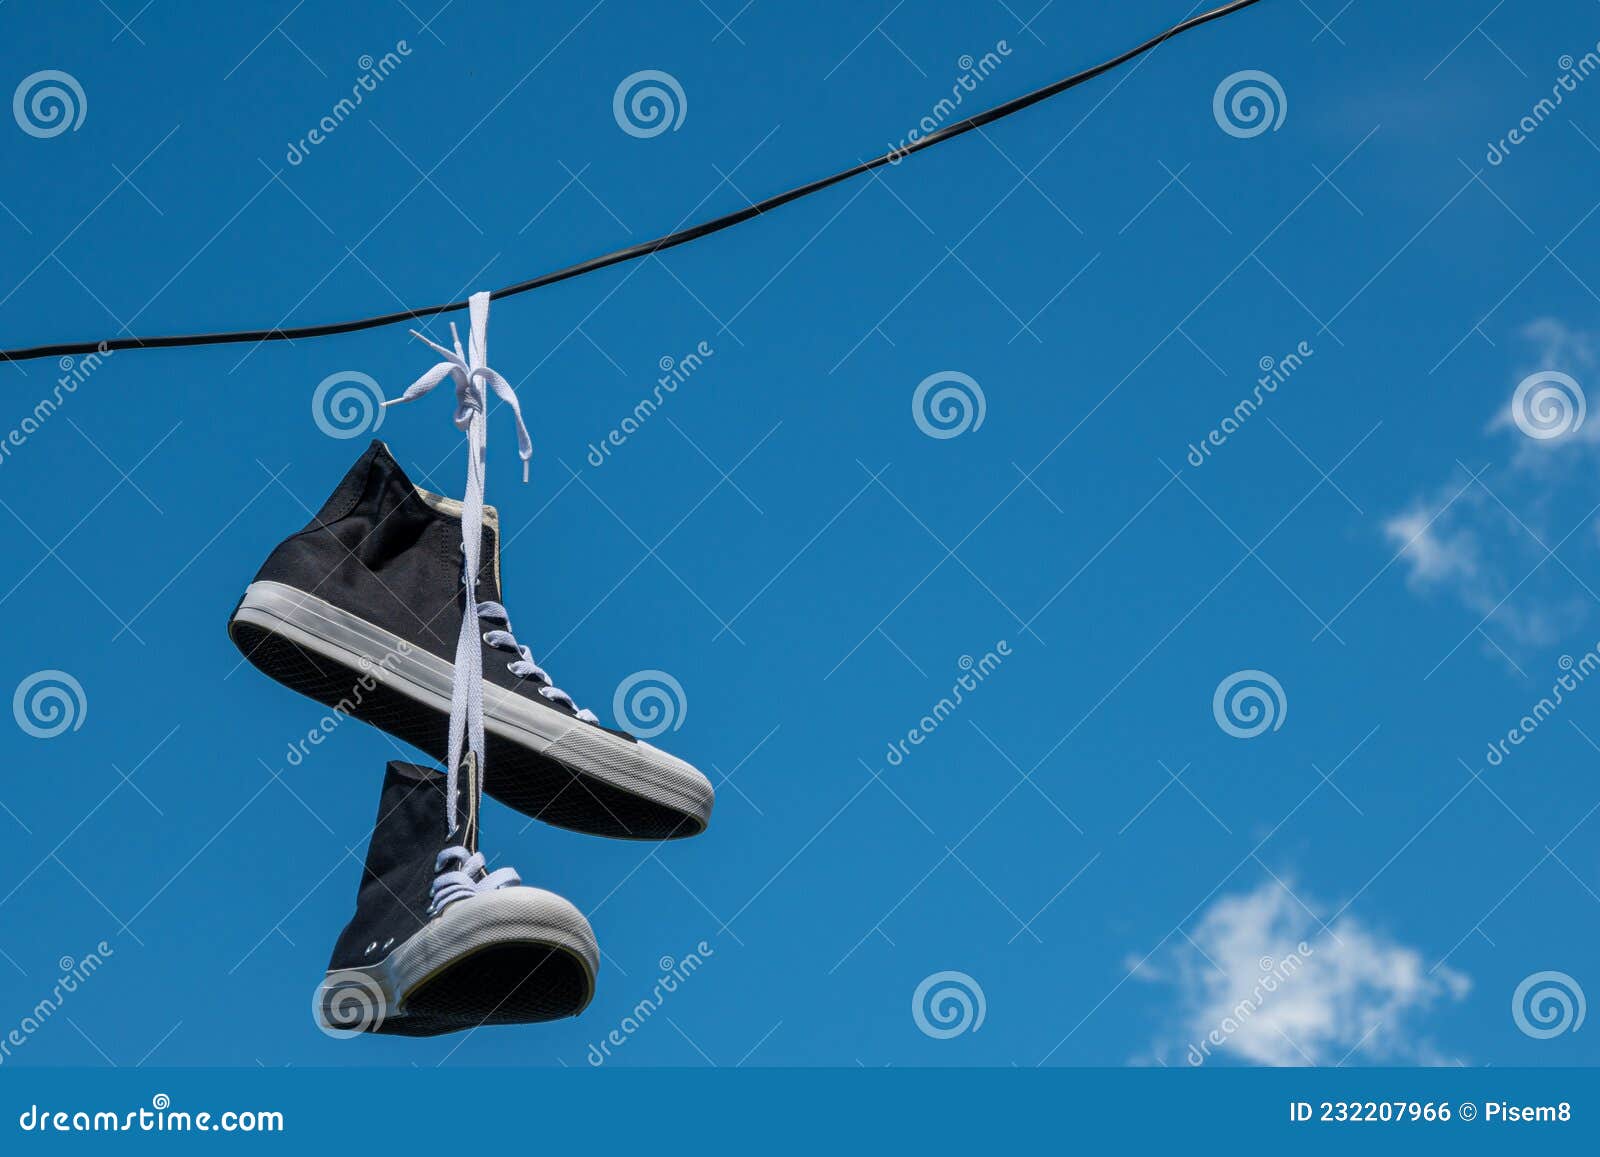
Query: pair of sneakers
x=388 y=608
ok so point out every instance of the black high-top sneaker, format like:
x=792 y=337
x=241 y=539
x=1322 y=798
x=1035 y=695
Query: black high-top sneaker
x=361 y=611
x=438 y=943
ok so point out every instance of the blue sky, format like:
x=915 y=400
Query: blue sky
x=1082 y=838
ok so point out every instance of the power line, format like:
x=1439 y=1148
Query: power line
x=644 y=248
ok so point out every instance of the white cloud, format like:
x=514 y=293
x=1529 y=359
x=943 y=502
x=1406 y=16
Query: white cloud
x=1260 y=982
x=1460 y=540
x=1555 y=345
x=1436 y=554
x=1485 y=542
x=1560 y=346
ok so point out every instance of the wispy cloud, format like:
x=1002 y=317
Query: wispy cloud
x=1259 y=981
x=1461 y=541
x=1552 y=344
x=1484 y=540
x=1558 y=344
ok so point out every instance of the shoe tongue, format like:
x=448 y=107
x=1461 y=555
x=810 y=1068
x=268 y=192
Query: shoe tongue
x=468 y=794
x=489 y=565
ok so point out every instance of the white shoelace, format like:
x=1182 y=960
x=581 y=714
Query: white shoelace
x=459 y=876
x=524 y=667
x=471 y=375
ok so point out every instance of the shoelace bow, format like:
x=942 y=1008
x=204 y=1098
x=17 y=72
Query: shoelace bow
x=459 y=875
x=473 y=379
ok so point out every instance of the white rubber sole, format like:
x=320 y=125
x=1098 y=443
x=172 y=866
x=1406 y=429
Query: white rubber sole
x=317 y=626
x=364 y=999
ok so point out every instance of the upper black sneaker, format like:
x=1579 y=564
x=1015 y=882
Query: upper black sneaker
x=362 y=609
x=438 y=943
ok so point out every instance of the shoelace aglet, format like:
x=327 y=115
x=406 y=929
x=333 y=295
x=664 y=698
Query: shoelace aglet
x=428 y=341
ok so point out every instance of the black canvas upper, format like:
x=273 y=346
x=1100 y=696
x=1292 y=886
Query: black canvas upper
x=379 y=550
x=392 y=902
x=362 y=611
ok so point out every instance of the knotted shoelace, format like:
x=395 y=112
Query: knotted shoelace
x=459 y=875
x=473 y=379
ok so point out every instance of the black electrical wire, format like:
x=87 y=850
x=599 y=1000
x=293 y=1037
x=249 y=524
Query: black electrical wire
x=644 y=248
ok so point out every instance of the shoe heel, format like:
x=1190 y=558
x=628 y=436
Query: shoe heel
x=350 y=690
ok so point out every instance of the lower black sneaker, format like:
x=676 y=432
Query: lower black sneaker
x=363 y=611
x=439 y=944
